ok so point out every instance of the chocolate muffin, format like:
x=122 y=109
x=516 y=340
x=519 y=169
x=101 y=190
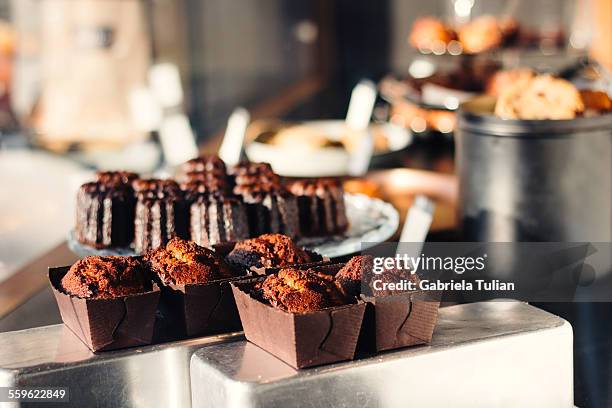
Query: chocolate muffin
x=105 y=212
x=207 y=166
x=161 y=213
x=350 y=277
x=267 y=251
x=215 y=214
x=105 y=277
x=185 y=262
x=299 y=291
x=270 y=207
x=357 y=276
x=320 y=206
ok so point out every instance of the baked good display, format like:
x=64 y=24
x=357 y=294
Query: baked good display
x=540 y=97
x=321 y=206
x=184 y=262
x=106 y=277
x=299 y=291
x=270 y=207
x=161 y=213
x=430 y=33
x=267 y=251
x=481 y=34
x=105 y=211
x=215 y=214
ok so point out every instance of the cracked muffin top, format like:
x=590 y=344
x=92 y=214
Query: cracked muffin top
x=299 y=291
x=268 y=251
x=206 y=163
x=105 y=277
x=357 y=276
x=185 y=262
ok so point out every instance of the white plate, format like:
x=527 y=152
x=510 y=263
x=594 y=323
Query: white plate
x=371 y=221
x=323 y=162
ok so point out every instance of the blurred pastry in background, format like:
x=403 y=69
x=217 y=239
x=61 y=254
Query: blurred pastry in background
x=595 y=102
x=541 y=97
x=502 y=79
x=429 y=33
x=481 y=34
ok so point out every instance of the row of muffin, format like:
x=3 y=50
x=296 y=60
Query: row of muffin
x=202 y=292
x=207 y=203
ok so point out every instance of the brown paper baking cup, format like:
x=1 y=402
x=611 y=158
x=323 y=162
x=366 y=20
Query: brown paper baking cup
x=299 y=339
x=107 y=324
x=198 y=310
x=396 y=321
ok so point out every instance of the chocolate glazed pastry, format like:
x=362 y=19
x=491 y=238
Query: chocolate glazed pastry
x=161 y=213
x=107 y=302
x=196 y=298
x=105 y=211
x=210 y=166
x=270 y=207
x=216 y=215
x=321 y=206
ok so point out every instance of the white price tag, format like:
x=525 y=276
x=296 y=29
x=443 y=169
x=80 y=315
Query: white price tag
x=231 y=147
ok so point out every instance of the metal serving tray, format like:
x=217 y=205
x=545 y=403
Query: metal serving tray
x=493 y=354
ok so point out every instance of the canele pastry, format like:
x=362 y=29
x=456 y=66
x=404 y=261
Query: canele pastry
x=267 y=251
x=299 y=291
x=216 y=215
x=105 y=277
x=185 y=262
x=161 y=213
x=270 y=207
x=105 y=211
x=321 y=206
x=203 y=167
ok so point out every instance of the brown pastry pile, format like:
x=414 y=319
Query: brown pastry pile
x=185 y=262
x=299 y=291
x=267 y=251
x=357 y=277
x=104 y=277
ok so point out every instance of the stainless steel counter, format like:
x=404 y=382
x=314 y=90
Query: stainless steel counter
x=496 y=353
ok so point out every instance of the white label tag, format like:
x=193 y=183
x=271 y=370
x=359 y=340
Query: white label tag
x=231 y=147
x=359 y=162
x=416 y=226
x=177 y=140
x=361 y=105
